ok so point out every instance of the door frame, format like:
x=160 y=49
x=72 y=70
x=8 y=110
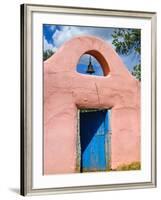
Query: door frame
x=108 y=139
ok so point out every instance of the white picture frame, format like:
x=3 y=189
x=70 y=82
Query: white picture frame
x=33 y=181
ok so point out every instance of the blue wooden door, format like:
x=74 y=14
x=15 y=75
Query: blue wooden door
x=93 y=138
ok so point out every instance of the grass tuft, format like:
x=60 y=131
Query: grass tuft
x=131 y=166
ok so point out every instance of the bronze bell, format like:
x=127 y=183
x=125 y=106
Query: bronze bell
x=90 y=69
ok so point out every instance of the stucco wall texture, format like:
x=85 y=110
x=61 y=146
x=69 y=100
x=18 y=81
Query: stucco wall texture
x=66 y=90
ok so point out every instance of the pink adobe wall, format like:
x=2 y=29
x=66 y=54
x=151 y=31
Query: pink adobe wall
x=66 y=90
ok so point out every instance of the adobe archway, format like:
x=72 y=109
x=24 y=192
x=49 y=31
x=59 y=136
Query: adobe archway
x=65 y=90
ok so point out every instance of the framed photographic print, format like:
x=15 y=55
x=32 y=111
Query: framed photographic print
x=88 y=99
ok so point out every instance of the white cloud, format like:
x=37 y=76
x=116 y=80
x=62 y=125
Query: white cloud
x=48 y=46
x=52 y=27
x=68 y=32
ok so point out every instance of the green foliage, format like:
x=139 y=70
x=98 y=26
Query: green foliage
x=47 y=54
x=131 y=166
x=127 y=41
x=137 y=72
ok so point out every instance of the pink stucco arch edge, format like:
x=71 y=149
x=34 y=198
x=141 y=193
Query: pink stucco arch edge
x=65 y=91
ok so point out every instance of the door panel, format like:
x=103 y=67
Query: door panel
x=93 y=138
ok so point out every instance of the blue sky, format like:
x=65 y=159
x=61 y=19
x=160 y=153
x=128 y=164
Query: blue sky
x=55 y=35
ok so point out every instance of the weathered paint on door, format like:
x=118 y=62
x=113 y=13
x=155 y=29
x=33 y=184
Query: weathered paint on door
x=93 y=139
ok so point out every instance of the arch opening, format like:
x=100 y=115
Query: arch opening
x=93 y=63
